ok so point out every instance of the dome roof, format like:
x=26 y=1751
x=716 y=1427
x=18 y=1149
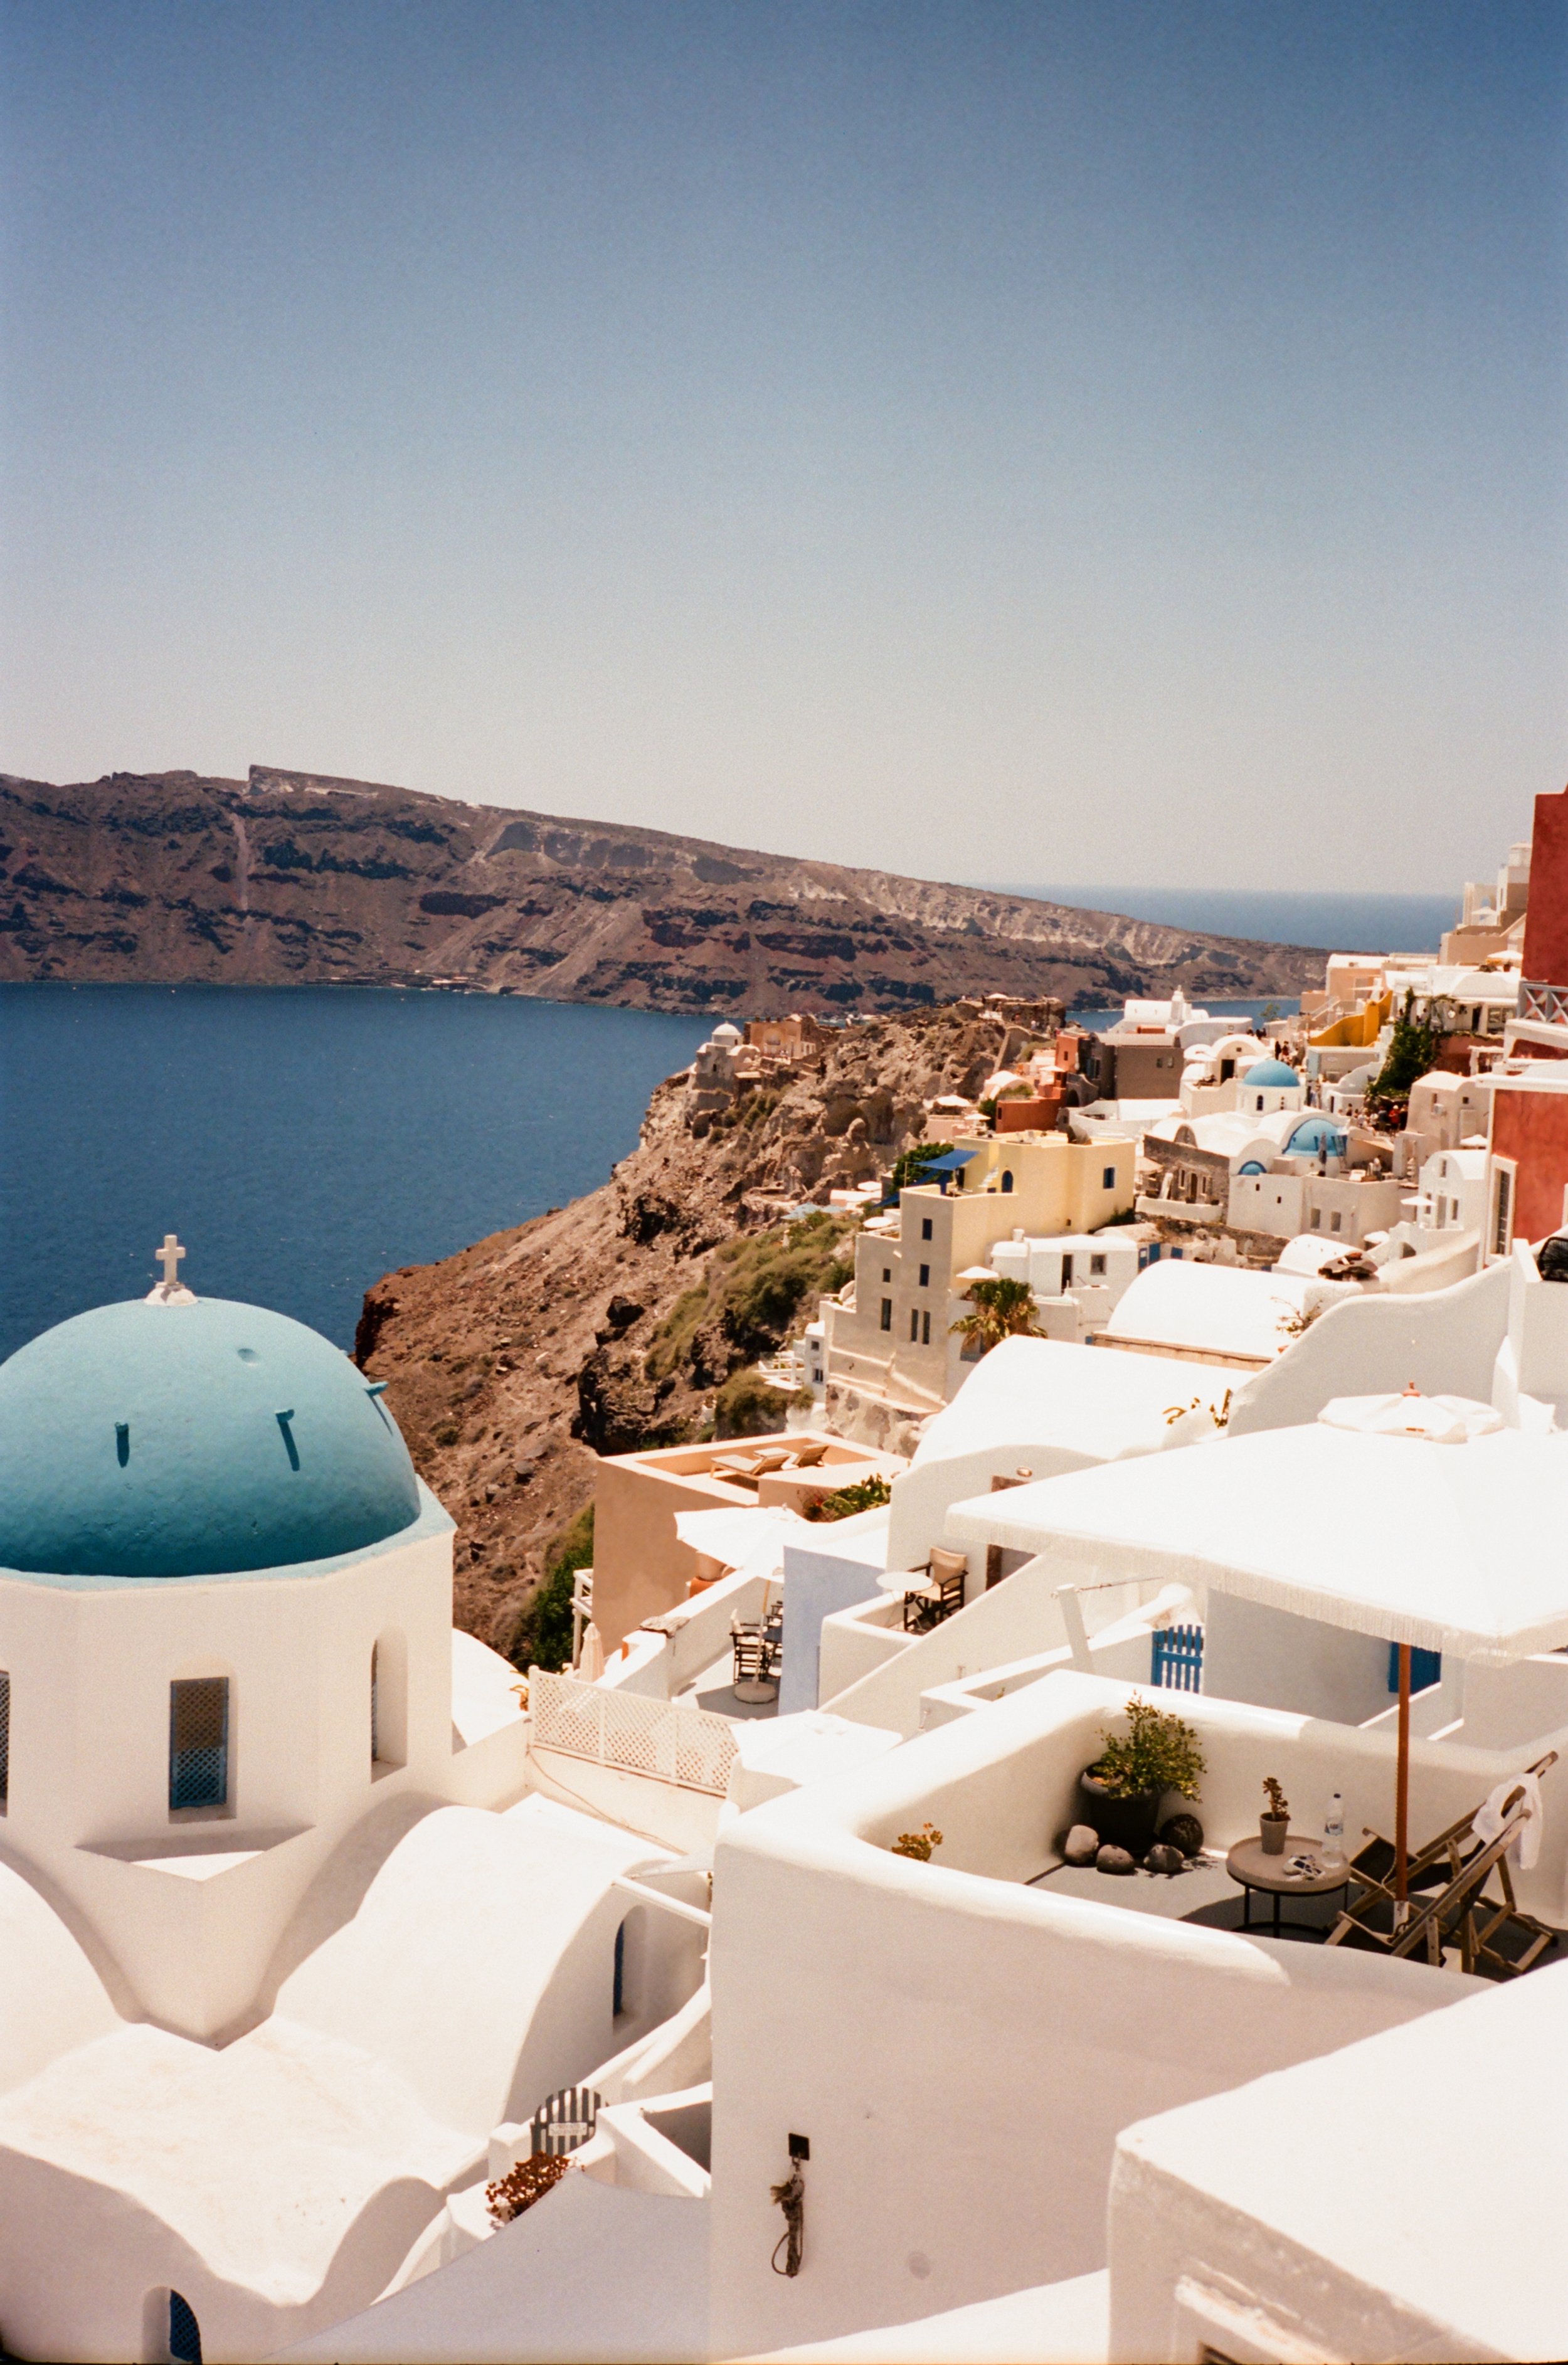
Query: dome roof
x=1271 y=1073
x=1314 y=1137
x=192 y=1440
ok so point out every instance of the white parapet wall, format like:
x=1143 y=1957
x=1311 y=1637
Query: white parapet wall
x=857 y=1991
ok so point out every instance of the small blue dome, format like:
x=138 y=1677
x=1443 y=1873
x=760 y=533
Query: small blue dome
x=1271 y=1073
x=1315 y=1136
x=192 y=1441
x=1253 y=1166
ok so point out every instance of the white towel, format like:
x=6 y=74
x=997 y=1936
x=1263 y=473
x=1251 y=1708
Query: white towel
x=1490 y=1819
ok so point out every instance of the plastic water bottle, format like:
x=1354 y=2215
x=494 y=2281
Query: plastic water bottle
x=1334 y=1833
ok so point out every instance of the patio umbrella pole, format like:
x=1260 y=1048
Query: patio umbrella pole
x=1402 y=1795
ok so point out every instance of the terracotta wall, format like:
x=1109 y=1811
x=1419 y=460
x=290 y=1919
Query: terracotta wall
x=1532 y=1127
x=1546 y=925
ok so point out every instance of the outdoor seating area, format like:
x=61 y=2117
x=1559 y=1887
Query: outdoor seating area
x=940 y=1594
x=748 y=1468
x=1463 y=1912
x=757 y=1649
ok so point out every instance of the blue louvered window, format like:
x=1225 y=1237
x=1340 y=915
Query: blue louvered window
x=198 y=1742
x=185 y=2332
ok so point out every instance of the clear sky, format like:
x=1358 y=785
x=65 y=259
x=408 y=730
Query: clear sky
x=1054 y=441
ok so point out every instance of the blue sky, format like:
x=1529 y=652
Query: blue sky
x=1102 y=442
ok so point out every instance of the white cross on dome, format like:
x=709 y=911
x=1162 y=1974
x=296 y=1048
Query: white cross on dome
x=171 y=1290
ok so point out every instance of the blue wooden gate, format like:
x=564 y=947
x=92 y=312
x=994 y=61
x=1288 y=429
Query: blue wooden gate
x=1177 y=1658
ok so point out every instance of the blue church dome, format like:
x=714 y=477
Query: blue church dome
x=192 y=1440
x=1271 y=1073
x=1314 y=1138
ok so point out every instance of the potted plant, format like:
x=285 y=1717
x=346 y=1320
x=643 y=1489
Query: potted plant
x=1121 y=1793
x=1275 y=1819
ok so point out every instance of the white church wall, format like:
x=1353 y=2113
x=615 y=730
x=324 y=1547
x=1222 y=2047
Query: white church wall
x=51 y=1997
x=190 y=1905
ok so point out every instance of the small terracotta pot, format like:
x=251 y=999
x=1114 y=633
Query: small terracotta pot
x=1273 y=1829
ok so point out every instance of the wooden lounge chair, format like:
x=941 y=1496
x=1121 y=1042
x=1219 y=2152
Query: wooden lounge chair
x=1440 y=1862
x=1491 y=1935
x=939 y=1596
x=807 y=1457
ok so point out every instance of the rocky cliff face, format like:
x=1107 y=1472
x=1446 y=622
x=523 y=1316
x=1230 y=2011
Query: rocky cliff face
x=289 y=878
x=610 y=1323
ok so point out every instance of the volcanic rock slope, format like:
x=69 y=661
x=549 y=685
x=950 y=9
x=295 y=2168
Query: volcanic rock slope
x=290 y=879
x=605 y=1325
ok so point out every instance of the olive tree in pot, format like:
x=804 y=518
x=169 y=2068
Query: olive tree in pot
x=1120 y=1794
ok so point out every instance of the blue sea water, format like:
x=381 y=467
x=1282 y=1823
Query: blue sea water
x=1340 y=923
x=301 y=1142
x=1343 y=923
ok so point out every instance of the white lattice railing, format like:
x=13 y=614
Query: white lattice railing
x=632 y=1732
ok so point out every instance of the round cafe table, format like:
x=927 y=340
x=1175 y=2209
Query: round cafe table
x=1250 y=1868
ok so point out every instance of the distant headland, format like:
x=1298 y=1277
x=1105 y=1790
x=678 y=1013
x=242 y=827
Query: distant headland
x=291 y=877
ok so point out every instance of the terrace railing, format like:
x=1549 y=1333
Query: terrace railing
x=662 y=1739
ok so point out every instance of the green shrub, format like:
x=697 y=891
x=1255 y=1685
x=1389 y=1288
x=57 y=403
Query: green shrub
x=865 y=1495
x=746 y=1406
x=1157 y=1752
x=542 y=1635
x=911 y=1169
x=446 y=1434
x=754 y=1287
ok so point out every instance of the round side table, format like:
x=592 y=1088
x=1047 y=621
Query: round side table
x=1250 y=1868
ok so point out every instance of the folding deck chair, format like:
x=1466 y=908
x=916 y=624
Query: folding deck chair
x=1445 y=1881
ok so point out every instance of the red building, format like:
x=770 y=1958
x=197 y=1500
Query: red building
x=1527 y=1196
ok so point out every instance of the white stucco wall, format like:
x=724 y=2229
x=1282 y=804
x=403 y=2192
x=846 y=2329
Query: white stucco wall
x=1330 y=2212
x=1275 y=1659
x=860 y=1997
x=1445 y=1341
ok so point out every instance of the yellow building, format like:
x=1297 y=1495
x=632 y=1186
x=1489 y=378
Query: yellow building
x=895 y=1336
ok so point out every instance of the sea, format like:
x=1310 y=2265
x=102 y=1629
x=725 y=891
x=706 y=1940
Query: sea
x=303 y=1141
x=1338 y=924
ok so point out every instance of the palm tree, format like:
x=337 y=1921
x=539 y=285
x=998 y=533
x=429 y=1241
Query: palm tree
x=1004 y=1309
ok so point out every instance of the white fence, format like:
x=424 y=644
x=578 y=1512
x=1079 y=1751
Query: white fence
x=635 y=1734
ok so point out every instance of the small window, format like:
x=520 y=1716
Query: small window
x=1007 y=1178
x=1096 y=1268
x=1317 y=1219
x=618 y=2004
x=1067 y=1272
x=925 y=1329
x=185 y=2332
x=926 y=1228
x=887 y=1312
x=1334 y=1221
x=887 y=1274
x=926 y=1276
x=198 y=1743
x=913 y=1325
x=4 y=1740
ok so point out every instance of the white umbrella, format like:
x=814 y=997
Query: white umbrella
x=1463 y=1552
x=1442 y=1420
x=752 y=1540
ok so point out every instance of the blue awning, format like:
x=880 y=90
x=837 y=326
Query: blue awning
x=950 y=1164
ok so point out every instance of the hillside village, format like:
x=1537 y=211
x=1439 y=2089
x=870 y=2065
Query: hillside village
x=1033 y=1826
